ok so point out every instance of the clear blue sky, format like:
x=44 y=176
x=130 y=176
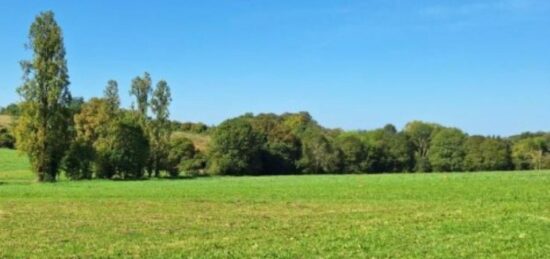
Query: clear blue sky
x=481 y=65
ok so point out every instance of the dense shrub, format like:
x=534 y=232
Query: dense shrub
x=7 y=140
x=181 y=150
x=194 y=166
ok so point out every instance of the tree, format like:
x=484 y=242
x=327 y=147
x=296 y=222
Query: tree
x=130 y=148
x=390 y=151
x=78 y=161
x=496 y=154
x=141 y=89
x=420 y=135
x=160 y=128
x=531 y=152
x=281 y=147
x=474 y=160
x=235 y=148
x=446 y=153
x=354 y=153
x=11 y=109
x=111 y=95
x=95 y=126
x=42 y=128
x=319 y=155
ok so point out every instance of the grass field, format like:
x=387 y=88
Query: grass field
x=404 y=215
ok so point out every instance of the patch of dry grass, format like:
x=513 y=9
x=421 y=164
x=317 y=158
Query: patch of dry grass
x=199 y=140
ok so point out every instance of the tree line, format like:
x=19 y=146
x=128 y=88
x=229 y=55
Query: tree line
x=97 y=138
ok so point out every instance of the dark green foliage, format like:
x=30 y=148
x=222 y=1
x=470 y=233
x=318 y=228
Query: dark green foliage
x=355 y=155
x=43 y=127
x=532 y=152
x=390 y=151
x=78 y=161
x=130 y=150
x=11 y=109
x=280 y=146
x=194 y=166
x=420 y=135
x=180 y=150
x=192 y=127
x=235 y=148
x=159 y=127
x=446 y=153
x=487 y=154
x=319 y=154
x=7 y=140
x=111 y=95
x=141 y=89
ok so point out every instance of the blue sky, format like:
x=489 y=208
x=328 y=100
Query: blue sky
x=483 y=65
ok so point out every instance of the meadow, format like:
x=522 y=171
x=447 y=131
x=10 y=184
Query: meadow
x=438 y=215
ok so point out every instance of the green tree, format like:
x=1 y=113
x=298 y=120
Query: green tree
x=95 y=126
x=319 y=154
x=42 y=129
x=420 y=134
x=11 y=109
x=474 y=160
x=141 y=89
x=496 y=154
x=130 y=149
x=160 y=127
x=235 y=148
x=446 y=153
x=354 y=153
x=390 y=150
x=78 y=161
x=281 y=147
x=111 y=95
x=531 y=152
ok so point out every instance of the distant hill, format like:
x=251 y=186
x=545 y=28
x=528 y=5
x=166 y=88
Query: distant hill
x=200 y=141
x=5 y=120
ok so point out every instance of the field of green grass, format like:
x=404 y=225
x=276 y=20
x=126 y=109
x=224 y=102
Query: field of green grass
x=395 y=215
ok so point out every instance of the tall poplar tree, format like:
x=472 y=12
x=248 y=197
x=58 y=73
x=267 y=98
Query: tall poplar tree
x=160 y=131
x=141 y=89
x=42 y=129
x=111 y=95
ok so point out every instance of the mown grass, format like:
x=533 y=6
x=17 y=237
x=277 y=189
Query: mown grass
x=403 y=215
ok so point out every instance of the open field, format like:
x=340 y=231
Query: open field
x=403 y=215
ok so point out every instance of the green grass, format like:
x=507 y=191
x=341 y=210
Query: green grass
x=403 y=215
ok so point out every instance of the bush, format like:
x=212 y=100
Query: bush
x=7 y=140
x=194 y=166
x=181 y=150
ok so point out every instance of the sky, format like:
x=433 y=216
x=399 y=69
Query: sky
x=482 y=66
